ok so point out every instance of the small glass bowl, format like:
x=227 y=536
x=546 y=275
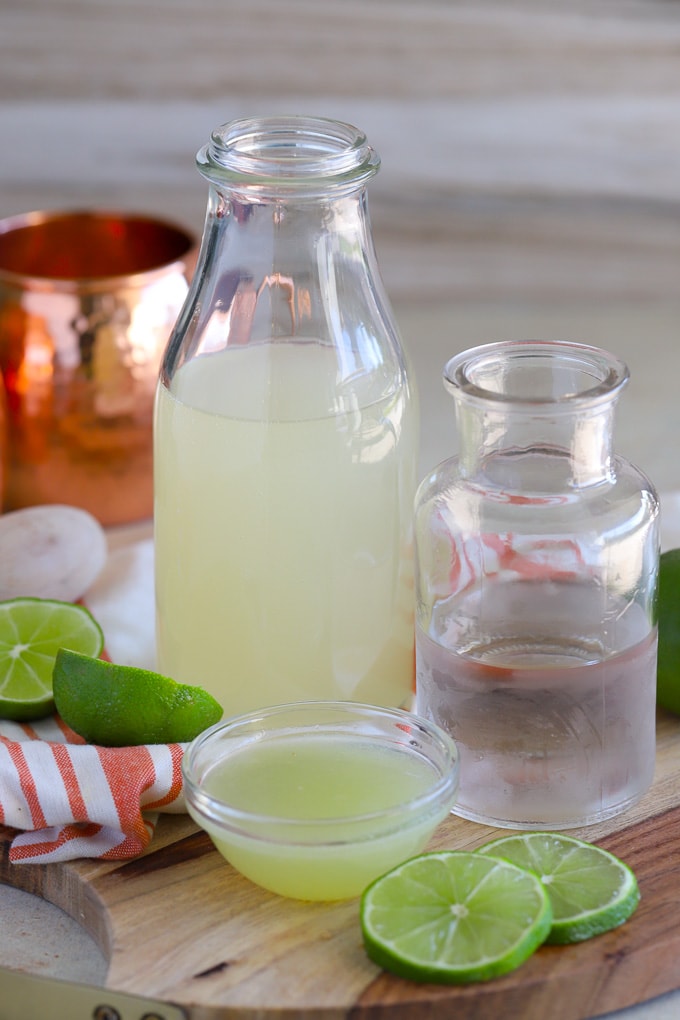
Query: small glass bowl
x=316 y=799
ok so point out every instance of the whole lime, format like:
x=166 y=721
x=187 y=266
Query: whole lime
x=668 y=667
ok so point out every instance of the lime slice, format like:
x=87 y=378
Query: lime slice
x=590 y=890
x=454 y=917
x=119 y=706
x=31 y=633
x=668 y=663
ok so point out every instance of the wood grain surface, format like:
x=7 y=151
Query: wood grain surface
x=181 y=925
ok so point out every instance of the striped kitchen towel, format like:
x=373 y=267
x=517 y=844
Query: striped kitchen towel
x=73 y=799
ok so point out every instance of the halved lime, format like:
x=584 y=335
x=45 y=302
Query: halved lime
x=119 y=706
x=454 y=917
x=31 y=633
x=590 y=889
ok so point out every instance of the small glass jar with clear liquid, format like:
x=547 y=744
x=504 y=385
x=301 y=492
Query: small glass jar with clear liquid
x=285 y=435
x=537 y=556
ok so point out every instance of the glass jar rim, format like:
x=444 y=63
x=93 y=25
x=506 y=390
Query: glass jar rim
x=288 y=153
x=471 y=373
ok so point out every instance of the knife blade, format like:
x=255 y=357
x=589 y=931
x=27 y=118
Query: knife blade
x=29 y=997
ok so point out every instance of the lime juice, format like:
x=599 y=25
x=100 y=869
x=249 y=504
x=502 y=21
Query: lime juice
x=283 y=529
x=319 y=817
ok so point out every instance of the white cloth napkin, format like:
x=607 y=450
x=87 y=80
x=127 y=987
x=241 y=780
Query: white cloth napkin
x=122 y=601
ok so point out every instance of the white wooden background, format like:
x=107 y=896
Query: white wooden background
x=531 y=155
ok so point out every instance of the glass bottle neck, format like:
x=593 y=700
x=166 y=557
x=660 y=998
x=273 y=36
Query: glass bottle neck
x=519 y=452
x=536 y=417
x=287 y=225
x=283 y=267
x=287 y=262
x=289 y=217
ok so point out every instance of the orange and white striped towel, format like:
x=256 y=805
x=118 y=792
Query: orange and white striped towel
x=74 y=799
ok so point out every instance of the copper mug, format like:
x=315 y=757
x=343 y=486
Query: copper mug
x=87 y=303
x=3 y=443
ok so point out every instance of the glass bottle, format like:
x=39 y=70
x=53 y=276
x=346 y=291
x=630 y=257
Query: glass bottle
x=537 y=556
x=285 y=435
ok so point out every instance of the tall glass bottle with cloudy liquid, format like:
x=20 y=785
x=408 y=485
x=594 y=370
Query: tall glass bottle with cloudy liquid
x=285 y=435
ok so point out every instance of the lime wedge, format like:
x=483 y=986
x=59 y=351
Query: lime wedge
x=31 y=633
x=119 y=706
x=454 y=917
x=590 y=890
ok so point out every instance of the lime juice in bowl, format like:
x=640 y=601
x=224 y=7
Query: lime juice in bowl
x=314 y=800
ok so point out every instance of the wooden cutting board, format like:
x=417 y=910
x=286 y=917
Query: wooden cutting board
x=180 y=925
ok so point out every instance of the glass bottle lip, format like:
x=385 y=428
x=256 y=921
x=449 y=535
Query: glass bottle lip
x=536 y=374
x=288 y=153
